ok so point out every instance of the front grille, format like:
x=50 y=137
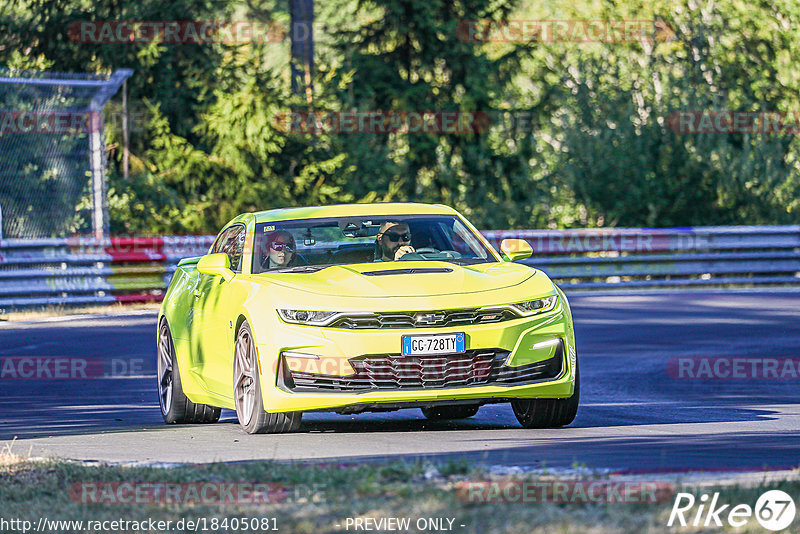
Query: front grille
x=422 y=319
x=396 y=372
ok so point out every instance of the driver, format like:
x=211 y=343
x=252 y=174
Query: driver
x=278 y=251
x=393 y=241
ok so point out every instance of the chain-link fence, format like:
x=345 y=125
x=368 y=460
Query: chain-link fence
x=52 y=152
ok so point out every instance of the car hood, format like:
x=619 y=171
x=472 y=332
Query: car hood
x=406 y=279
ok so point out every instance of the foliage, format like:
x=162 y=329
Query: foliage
x=580 y=133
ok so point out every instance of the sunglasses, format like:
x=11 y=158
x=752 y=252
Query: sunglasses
x=277 y=247
x=394 y=238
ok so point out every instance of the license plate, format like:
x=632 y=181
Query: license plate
x=433 y=344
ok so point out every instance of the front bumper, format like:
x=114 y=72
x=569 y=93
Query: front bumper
x=525 y=343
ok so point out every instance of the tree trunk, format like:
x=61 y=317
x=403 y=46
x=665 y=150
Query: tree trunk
x=302 y=35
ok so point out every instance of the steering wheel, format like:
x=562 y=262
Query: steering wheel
x=421 y=254
x=300 y=260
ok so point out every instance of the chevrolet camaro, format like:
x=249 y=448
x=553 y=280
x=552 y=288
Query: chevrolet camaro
x=363 y=307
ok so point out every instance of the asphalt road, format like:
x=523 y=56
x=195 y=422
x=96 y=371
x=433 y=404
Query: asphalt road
x=636 y=413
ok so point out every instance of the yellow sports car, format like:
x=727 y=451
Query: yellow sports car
x=363 y=307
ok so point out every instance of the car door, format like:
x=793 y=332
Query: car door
x=213 y=335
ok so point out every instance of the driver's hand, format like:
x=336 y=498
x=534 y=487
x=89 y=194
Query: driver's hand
x=402 y=251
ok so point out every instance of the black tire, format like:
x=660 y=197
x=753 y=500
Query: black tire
x=176 y=408
x=451 y=411
x=247 y=392
x=549 y=413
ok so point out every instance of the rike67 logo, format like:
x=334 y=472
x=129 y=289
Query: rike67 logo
x=774 y=510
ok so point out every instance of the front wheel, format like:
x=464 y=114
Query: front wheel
x=247 y=392
x=549 y=413
x=175 y=406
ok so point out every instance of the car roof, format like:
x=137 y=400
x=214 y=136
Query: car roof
x=353 y=210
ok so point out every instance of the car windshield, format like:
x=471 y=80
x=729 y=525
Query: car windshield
x=309 y=245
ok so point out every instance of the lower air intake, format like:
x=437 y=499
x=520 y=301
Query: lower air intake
x=397 y=372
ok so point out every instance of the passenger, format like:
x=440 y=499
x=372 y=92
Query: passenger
x=393 y=241
x=278 y=251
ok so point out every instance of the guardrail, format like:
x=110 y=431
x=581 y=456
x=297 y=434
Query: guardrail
x=82 y=270
x=668 y=257
x=79 y=270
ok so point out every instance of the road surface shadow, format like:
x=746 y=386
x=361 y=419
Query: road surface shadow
x=678 y=452
x=129 y=405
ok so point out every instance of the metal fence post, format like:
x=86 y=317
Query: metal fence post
x=29 y=156
x=97 y=147
x=96 y=159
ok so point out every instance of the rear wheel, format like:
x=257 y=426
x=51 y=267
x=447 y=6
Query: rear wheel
x=247 y=392
x=175 y=406
x=453 y=411
x=549 y=413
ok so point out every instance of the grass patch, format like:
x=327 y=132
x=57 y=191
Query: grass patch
x=8 y=457
x=319 y=499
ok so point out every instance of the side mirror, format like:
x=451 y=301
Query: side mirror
x=515 y=249
x=218 y=264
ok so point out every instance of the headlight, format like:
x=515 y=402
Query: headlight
x=532 y=307
x=316 y=318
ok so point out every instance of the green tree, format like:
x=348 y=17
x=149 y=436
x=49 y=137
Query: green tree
x=621 y=151
x=409 y=57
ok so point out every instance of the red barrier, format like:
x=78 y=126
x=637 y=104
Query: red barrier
x=136 y=249
x=138 y=298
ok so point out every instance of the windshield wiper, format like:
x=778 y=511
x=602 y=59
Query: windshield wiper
x=300 y=269
x=468 y=261
x=415 y=270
